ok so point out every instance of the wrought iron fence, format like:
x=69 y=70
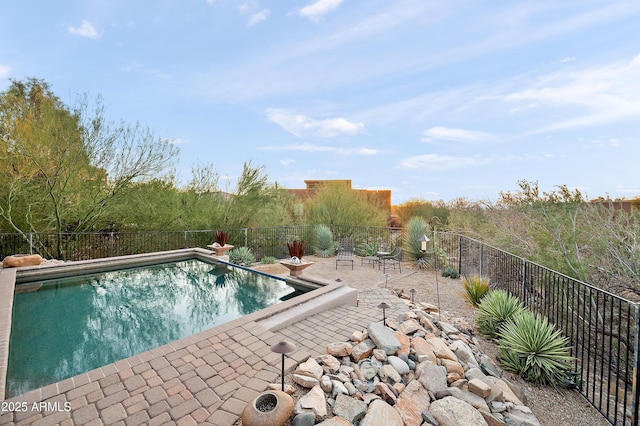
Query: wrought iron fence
x=603 y=329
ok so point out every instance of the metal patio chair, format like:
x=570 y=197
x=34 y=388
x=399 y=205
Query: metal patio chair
x=346 y=251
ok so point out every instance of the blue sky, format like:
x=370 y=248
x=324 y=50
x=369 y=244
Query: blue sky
x=431 y=99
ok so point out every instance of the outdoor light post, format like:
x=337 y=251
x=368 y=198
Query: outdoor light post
x=423 y=247
x=283 y=347
x=384 y=306
x=413 y=293
x=423 y=242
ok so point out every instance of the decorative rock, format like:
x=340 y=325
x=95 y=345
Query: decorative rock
x=358 y=336
x=409 y=326
x=325 y=384
x=368 y=397
x=479 y=387
x=380 y=355
x=351 y=389
x=288 y=389
x=386 y=392
x=381 y=414
x=271 y=407
x=412 y=402
x=423 y=349
x=389 y=374
x=315 y=401
x=453 y=367
x=429 y=419
x=471 y=398
x=448 y=328
x=398 y=388
x=474 y=373
x=349 y=408
x=464 y=353
x=338 y=388
x=330 y=363
x=441 y=350
x=497 y=406
x=428 y=307
x=451 y=411
x=367 y=370
x=404 y=343
x=432 y=377
x=520 y=415
x=362 y=350
x=304 y=419
x=488 y=367
x=400 y=366
x=500 y=385
x=493 y=419
x=20 y=260
x=335 y=421
x=339 y=349
x=358 y=372
x=311 y=368
x=305 y=381
x=384 y=338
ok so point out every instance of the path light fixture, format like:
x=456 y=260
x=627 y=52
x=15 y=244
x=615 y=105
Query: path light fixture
x=384 y=306
x=413 y=294
x=423 y=242
x=283 y=347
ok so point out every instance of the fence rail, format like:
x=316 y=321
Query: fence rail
x=603 y=329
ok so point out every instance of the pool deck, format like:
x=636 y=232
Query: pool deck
x=207 y=378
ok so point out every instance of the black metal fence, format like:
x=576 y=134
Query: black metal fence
x=602 y=328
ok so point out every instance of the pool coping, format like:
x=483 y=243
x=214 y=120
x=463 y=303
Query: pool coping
x=272 y=317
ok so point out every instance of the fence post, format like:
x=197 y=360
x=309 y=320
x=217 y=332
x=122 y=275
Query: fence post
x=185 y=239
x=111 y=244
x=459 y=254
x=524 y=281
x=481 y=257
x=636 y=372
x=30 y=243
x=245 y=238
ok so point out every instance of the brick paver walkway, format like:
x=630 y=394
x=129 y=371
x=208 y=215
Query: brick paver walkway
x=207 y=378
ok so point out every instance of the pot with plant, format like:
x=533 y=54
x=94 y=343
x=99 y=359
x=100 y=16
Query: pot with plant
x=220 y=246
x=295 y=264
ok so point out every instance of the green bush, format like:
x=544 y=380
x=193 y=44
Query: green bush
x=367 y=249
x=324 y=245
x=475 y=289
x=242 y=256
x=268 y=260
x=412 y=246
x=451 y=273
x=533 y=348
x=494 y=309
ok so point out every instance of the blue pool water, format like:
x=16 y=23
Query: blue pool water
x=73 y=325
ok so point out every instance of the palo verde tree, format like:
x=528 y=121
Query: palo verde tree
x=61 y=167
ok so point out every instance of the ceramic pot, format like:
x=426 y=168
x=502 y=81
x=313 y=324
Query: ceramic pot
x=272 y=408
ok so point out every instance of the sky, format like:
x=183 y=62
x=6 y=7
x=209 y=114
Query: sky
x=429 y=99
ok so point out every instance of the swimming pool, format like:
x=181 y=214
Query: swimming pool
x=63 y=327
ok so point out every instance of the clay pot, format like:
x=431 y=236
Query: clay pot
x=271 y=408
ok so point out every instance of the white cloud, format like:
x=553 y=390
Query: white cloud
x=307 y=147
x=456 y=135
x=437 y=163
x=316 y=10
x=258 y=17
x=301 y=125
x=86 y=29
x=4 y=71
x=177 y=141
x=287 y=161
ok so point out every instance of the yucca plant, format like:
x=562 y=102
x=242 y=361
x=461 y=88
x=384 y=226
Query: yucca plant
x=534 y=348
x=296 y=248
x=324 y=245
x=268 y=260
x=475 y=289
x=242 y=256
x=494 y=309
x=416 y=228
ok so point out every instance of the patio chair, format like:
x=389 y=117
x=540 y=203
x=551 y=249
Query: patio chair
x=345 y=251
x=392 y=259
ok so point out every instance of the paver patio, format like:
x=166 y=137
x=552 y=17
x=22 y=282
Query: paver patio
x=207 y=378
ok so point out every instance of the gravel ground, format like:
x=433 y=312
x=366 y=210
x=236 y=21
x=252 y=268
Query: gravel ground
x=552 y=407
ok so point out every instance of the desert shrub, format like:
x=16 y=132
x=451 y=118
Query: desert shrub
x=242 y=256
x=494 y=309
x=451 y=273
x=412 y=246
x=367 y=249
x=268 y=260
x=534 y=348
x=475 y=289
x=324 y=245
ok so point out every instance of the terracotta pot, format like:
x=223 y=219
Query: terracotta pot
x=272 y=408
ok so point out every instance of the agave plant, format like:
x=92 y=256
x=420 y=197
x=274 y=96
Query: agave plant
x=534 y=348
x=296 y=248
x=242 y=256
x=324 y=245
x=221 y=238
x=494 y=309
x=475 y=288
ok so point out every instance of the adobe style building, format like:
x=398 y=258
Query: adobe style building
x=381 y=196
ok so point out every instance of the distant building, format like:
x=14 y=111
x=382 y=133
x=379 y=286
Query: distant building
x=381 y=196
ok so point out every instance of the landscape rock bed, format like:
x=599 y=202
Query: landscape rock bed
x=422 y=369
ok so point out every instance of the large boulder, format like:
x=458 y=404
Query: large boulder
x=381 y=414
x=384 y=338
x=19 y=260
x=450 y=411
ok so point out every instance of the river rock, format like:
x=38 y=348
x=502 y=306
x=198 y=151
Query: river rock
x=400 y=366
x=450 y=411
x=520 y=415
x=441 y=349
x=404 y=343
x=389 y=374
x=432 y=377
x=367 y=370
x=409 y=326
x=381 y=414
x=305 y=381
x=384 y=338
x=306 y=418
x=464 y=353
x=339 y=349
x=362 y=350
x=311 y=368
x=325 y=383
x=330 y=363
x=338 y=388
